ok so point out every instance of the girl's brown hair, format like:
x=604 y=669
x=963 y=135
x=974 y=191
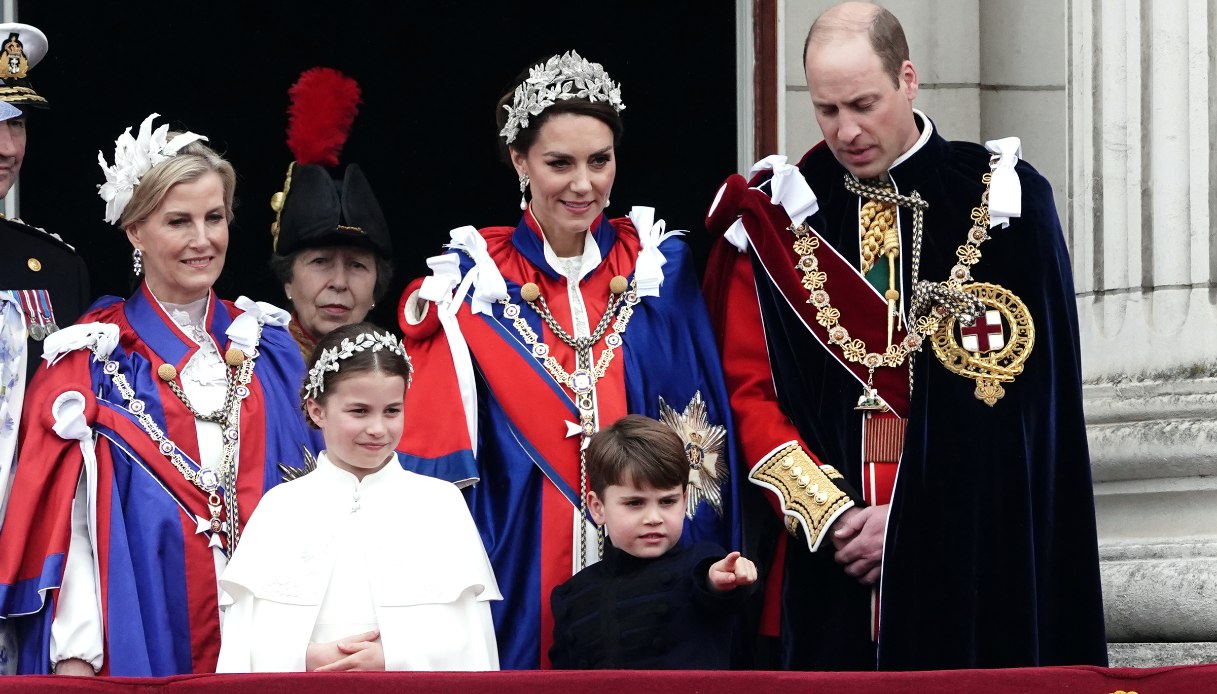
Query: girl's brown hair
x=378 y=361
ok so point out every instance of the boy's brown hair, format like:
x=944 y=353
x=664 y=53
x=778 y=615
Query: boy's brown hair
x=636 y=450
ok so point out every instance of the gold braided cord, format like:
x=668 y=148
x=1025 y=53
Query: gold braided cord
x=876 y=220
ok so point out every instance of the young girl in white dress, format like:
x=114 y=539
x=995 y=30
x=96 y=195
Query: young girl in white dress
x=359 y=564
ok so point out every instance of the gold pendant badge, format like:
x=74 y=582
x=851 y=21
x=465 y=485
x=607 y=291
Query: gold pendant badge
x=15 y=63
x=992 y=350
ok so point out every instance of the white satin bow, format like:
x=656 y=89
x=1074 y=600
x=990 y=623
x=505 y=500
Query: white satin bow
x=648 y=272
x=788 y=188
x=68 y=410
x=71 y=425
x=487 y=282
x=1005 y=190
x=488 y=287
x=445 y=276
x=102 y=338
x=243 y=332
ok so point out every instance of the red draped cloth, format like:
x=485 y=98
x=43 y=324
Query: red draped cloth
x=1079 y=679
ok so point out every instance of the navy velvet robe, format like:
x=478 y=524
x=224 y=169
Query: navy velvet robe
x=991 y=557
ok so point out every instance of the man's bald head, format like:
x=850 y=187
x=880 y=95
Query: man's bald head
x=851 y=19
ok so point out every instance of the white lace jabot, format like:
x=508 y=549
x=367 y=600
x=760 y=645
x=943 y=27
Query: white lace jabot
x=206 y=368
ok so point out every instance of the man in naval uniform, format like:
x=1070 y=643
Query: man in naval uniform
x=41 y=273
x=914 y=408
x=43 y=283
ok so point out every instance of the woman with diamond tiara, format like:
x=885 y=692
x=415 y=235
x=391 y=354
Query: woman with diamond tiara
x=315 y=586
x=528 y=338
x=150 y=436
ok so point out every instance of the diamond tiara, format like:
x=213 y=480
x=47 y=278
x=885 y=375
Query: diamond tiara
x=568 y=76
x=330 y=358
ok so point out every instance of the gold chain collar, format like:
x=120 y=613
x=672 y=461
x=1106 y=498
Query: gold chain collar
x=582 y=381
x=931 y=302
x=228 y=417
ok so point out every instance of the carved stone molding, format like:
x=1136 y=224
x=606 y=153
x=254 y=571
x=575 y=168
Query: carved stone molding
x=1161 y=591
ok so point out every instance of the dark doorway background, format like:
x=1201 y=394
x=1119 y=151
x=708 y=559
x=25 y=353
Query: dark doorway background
x=425 y=135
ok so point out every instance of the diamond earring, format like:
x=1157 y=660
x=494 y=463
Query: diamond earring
x=523 y=187
x=137 y=262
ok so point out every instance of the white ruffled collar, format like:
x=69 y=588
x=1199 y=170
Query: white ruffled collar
x=574 y=268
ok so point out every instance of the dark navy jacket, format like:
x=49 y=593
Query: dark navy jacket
x=626 y=613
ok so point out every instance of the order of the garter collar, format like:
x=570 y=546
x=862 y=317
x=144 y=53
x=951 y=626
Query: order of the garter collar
x=568 y=76
x=330 y=358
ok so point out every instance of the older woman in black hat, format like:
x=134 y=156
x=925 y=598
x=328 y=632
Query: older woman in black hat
x=332 y=250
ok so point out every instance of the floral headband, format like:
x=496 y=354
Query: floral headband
x=134 y=157
x=330 y=358
x=568 y=76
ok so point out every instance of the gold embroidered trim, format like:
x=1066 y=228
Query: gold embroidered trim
x=7 y=93
x=831 y=472
x=16 y=65
x=804 y=488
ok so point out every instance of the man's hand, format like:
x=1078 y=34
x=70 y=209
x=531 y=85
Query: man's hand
x=858 y=537
x=730 y=572
x=333 y=655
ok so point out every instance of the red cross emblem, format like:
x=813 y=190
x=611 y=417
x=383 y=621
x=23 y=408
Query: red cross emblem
x=985 y=335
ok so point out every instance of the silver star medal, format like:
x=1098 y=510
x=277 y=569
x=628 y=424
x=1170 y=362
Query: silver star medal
x=288 y=473
x=703 y=447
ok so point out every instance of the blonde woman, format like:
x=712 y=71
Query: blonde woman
x=149 y=437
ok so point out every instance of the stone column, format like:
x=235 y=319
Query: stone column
x=1141 y=111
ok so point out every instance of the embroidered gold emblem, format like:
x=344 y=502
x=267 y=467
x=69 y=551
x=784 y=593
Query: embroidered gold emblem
x=806 y=491
x=15 y=64
x=993 y=349
x=704 y=448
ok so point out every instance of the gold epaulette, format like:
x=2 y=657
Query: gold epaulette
x=805 y=489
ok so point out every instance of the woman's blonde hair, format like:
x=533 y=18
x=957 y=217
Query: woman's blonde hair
x=189 y=164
